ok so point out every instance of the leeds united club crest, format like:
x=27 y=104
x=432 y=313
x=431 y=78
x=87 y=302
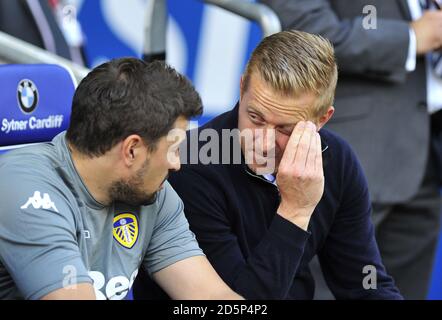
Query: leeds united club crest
x=126 y=229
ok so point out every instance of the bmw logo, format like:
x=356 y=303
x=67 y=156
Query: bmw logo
x=27 y=94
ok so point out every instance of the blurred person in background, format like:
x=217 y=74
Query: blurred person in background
x=388 y=102
x=82 y=213
x=48 y=24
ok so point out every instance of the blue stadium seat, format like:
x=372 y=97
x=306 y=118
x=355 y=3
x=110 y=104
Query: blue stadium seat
x=35 y=103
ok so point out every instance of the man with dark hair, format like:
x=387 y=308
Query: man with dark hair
x=82 y=213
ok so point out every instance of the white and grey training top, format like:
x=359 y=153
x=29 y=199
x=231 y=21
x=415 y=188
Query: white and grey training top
x=54 y=234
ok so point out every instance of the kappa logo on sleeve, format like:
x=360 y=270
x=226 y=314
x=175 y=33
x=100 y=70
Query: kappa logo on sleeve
x=39 y=202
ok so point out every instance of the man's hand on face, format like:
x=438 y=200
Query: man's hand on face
x=300 y=177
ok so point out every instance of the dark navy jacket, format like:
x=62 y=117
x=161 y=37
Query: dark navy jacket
x=263 y=256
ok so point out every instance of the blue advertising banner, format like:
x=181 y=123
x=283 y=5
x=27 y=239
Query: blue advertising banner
x=208 y=44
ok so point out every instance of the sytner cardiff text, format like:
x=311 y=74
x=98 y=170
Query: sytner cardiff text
x=51 y=122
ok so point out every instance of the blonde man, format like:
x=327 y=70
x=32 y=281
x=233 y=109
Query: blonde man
x=389 y=109
x=297 y=191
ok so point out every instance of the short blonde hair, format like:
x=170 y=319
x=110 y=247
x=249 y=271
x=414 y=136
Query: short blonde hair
x=296 y=62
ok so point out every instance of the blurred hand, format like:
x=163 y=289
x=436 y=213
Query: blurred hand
x=428 y=30
x=300 y=176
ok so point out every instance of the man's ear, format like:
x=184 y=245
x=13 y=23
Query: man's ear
x=241 y=87
x=133 y=149
x=325 y=117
